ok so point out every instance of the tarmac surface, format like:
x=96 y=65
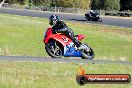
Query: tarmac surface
x=107 y=20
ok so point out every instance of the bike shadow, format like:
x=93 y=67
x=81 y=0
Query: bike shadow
x=77 y=20
x=80 y=20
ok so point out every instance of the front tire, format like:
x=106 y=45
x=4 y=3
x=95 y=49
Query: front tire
x=53 y=49
x=88 y=18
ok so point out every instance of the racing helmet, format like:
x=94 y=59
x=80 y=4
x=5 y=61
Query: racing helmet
x=91 y=11
x=53 y=20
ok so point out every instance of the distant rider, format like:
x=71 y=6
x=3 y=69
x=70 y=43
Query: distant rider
x=91 y=13
x=60 y=27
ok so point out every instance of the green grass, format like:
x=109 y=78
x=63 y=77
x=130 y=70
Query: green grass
x=24 y=36
x=55 y=75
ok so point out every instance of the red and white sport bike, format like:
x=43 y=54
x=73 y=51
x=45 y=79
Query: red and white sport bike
x=58 y=45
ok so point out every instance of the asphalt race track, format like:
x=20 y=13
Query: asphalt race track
x=80 y=18
x=62 y=60
x=116 y=21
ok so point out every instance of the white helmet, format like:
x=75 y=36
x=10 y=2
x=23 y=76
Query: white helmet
x=91 y=11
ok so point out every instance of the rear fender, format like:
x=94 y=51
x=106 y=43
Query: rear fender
x=80 y=37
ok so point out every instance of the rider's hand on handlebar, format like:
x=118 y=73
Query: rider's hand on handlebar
x=54 y=32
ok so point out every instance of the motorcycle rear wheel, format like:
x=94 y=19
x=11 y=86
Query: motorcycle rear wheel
x=100 y=20
x=88 y=55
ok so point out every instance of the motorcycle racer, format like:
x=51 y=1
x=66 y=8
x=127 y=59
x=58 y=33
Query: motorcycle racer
x=60 y=27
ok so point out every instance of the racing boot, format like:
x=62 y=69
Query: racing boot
x=83 y=47
x=79 y=45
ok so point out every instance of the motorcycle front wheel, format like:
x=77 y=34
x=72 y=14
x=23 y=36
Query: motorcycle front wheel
x=88 y=18
x=53 y=49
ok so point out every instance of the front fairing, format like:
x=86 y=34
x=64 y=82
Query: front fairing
x=47 y=34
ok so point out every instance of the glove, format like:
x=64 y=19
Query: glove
x=54 y=31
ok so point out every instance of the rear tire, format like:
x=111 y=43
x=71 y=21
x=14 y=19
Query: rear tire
x=100 y=19
x=88 y=55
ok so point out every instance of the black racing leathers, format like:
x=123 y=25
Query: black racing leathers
x=61 y=27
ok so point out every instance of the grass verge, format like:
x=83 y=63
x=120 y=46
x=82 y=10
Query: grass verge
x=55 y=75
x=22 y=36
